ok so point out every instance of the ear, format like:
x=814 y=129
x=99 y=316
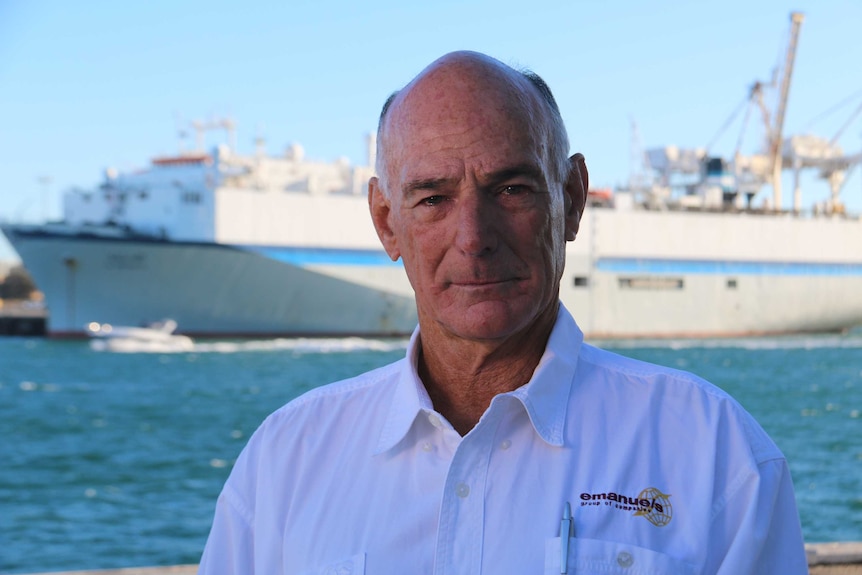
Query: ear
x=381 y=209
x=577 y=184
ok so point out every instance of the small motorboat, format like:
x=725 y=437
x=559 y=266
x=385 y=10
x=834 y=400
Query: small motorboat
x=156 y=337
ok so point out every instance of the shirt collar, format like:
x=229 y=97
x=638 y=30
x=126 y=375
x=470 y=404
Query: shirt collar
x=544 y=397
x=409 y=399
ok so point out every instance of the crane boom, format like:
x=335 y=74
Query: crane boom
x=796 y=19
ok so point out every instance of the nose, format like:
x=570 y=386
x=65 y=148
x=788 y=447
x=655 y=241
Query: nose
x=476 y=233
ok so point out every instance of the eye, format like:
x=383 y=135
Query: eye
x=432 y=200
x=517 y=196
x=514 y=190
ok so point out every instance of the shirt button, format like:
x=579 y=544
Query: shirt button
x=427 y=446
x=505 y=444
x=625 y=559
x=435 y=421
x=462 y=490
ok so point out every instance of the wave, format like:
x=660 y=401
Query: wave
x=851 y=341
x=302 y=345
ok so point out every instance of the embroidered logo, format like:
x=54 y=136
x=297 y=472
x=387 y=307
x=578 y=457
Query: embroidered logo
x=660 y=511
x=651 y=504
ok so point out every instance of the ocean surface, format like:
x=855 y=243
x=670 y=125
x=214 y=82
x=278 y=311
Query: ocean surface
x=116 y=459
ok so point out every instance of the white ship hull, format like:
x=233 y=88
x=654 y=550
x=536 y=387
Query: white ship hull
x=209 y=289
x=685 y=274
x=629 y=274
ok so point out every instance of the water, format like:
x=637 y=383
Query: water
x=116 y=460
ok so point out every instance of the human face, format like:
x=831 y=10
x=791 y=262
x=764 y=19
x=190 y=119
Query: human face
x=472 y=210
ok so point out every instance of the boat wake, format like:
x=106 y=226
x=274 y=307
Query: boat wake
x=302 y=345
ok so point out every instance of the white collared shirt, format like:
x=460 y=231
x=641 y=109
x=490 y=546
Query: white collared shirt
x=665 y=474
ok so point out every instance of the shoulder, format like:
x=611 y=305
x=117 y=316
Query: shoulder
x=308 y=439
x=628 y=371
x=678 y=398
x=319 y=423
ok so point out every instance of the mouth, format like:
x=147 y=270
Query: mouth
x=483 y=283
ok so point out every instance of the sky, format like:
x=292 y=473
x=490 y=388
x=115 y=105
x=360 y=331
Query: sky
x=94 y=84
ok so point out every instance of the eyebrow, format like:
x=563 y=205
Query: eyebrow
x=519 y=170
x=425 y=184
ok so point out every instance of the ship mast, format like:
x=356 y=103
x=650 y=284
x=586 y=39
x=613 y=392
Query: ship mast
x=796 y=19
x=201 y=127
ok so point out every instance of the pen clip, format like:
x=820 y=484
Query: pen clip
x=567 y=531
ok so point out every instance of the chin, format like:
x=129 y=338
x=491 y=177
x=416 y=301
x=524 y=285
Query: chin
x=492 y=320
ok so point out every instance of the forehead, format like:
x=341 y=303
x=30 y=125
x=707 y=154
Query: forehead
x=464 y=118
x=479 y=153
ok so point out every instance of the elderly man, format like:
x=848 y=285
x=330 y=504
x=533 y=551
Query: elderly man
x=501 y=443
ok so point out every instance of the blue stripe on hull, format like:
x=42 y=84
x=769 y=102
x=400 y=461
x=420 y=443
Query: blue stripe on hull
x=294 y=255
x=707 y=267
x=323 y=256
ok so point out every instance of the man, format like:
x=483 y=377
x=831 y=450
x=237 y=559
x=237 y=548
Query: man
x=502 y=443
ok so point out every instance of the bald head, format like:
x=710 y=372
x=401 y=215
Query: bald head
x=461 y=79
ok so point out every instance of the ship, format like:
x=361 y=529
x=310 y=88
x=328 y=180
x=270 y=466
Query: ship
x=260 y=245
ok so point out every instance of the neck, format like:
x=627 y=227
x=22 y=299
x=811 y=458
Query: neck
x=463 y=376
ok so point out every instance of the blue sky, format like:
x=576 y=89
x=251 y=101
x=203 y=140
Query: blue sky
x=94 y=84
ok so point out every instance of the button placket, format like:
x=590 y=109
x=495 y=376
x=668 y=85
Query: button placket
x=461 y=529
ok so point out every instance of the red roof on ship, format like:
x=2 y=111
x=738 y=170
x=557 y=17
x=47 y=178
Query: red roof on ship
x=181 y=160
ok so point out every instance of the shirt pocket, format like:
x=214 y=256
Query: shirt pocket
x=351 y=566
x=593 y=556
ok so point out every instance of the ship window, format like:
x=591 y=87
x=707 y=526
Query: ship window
x=191 y=197
x=731 y=283
x=582 y=281
x=651 y=283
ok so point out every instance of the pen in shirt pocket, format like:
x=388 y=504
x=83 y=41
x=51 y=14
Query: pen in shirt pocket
x=567 y=531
